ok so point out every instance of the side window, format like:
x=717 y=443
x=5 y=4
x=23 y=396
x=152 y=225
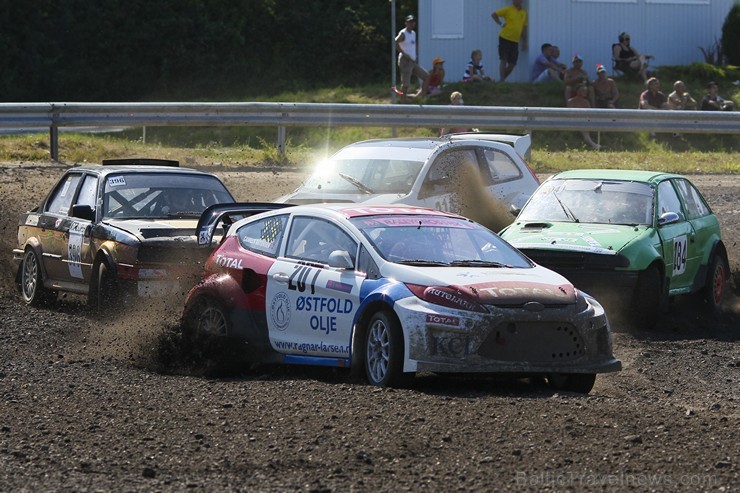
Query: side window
x=695 y=205
x=263 y=236
x=446 y=172
x=367 y=265
x=88 y=191
x=61 y=200
x=668 y=199
x=315 y=239
x=502 y=167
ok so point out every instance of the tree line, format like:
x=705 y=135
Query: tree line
x=159 y=50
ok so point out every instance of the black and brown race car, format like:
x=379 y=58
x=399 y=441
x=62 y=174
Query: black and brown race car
x=126 y=228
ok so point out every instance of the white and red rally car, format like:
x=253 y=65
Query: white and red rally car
x=394 y=289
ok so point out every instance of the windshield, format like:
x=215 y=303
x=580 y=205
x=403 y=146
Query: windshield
x=437 y=240
x=161 y=195
x=591 y=201
x=364 y=175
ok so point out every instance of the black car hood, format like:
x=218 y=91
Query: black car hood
x=147 y=230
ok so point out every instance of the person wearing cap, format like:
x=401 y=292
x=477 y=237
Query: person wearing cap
x=408 y=56
x=574 y=76
x=580 y=100
x=606 y=93
x=653 y=98
x=546 y=66
x=627 y=59
x=474 y=70
x=714 y=102
x=436 y=77
x=513 y=22
x=680 y=99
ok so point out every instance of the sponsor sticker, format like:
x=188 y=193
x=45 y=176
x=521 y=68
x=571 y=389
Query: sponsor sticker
x=116 y=181
x=280 y=311
x=32 y=220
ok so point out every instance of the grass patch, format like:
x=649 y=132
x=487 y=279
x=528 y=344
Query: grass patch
x=552 y=151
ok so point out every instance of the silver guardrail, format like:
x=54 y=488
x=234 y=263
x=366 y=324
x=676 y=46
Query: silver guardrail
x=281 y=115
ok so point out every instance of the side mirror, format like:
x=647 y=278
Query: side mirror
x=668 y=218
x=340 y=259
x=83 y=212
x=515 y=210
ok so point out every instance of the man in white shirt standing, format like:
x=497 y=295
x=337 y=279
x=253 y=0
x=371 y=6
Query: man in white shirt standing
x=407 y=58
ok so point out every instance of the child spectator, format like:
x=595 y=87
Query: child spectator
x=456 y=99
x=436 y=77
x=714 y=102
x=606 y=94
x=680 y=99
x=474 y=70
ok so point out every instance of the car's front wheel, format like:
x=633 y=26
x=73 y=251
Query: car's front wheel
x=384 y=352
x=32 y=283
x=647 y=300
x=716 y=284
x=104 y=294
x=572 y=382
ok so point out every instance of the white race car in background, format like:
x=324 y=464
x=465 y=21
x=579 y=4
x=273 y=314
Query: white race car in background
x=394 y=290
x=481 y=176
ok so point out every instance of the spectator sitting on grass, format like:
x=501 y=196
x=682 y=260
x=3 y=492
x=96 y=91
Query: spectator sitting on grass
x=456 y=99
x=680 y=99
x=652 y=98
x=580 y=100
x=714 y=102
x=575 y=76
x=545 y=67
x=474 y=70
x=606 y=94
x=436 y=77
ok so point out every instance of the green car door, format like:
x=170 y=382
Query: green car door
x=681 y=250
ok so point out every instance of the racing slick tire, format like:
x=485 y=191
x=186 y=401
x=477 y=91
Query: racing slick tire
x=572 y=382
x=384 y=352
x=716 y=285
x=32 y=283
x=647 y=300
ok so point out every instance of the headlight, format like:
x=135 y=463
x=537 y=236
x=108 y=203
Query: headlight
x=447 y=296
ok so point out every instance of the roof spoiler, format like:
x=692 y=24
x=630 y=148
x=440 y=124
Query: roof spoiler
x=228 y=213
x=141 y=162
x=521 y=143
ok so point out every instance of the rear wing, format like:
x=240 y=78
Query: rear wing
x=227 y=214
x=141 y=162
x=521 y=143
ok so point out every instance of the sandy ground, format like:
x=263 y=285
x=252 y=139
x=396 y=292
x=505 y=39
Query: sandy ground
x=93 y=406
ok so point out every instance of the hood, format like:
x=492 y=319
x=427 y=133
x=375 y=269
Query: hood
x=302 y=197
x=604 y=239
x=493 y=286
x=148 y=229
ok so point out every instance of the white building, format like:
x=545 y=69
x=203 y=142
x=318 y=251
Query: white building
x=671 y=30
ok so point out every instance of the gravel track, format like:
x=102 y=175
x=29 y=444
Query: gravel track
x=113 y=406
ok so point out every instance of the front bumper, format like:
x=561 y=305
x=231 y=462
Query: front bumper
x=507 y=340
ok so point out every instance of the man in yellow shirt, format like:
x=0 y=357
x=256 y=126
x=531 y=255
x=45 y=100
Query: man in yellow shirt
x=513 y=22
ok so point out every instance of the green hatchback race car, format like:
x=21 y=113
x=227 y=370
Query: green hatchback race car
x=632 y=239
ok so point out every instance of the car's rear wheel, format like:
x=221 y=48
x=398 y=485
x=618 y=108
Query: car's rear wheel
x=384 y=352
x=32 y=283
x=716 y=285
x=572 y=382
x=647 y=300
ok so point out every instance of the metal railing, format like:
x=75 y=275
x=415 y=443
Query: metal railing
x=281 y=115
